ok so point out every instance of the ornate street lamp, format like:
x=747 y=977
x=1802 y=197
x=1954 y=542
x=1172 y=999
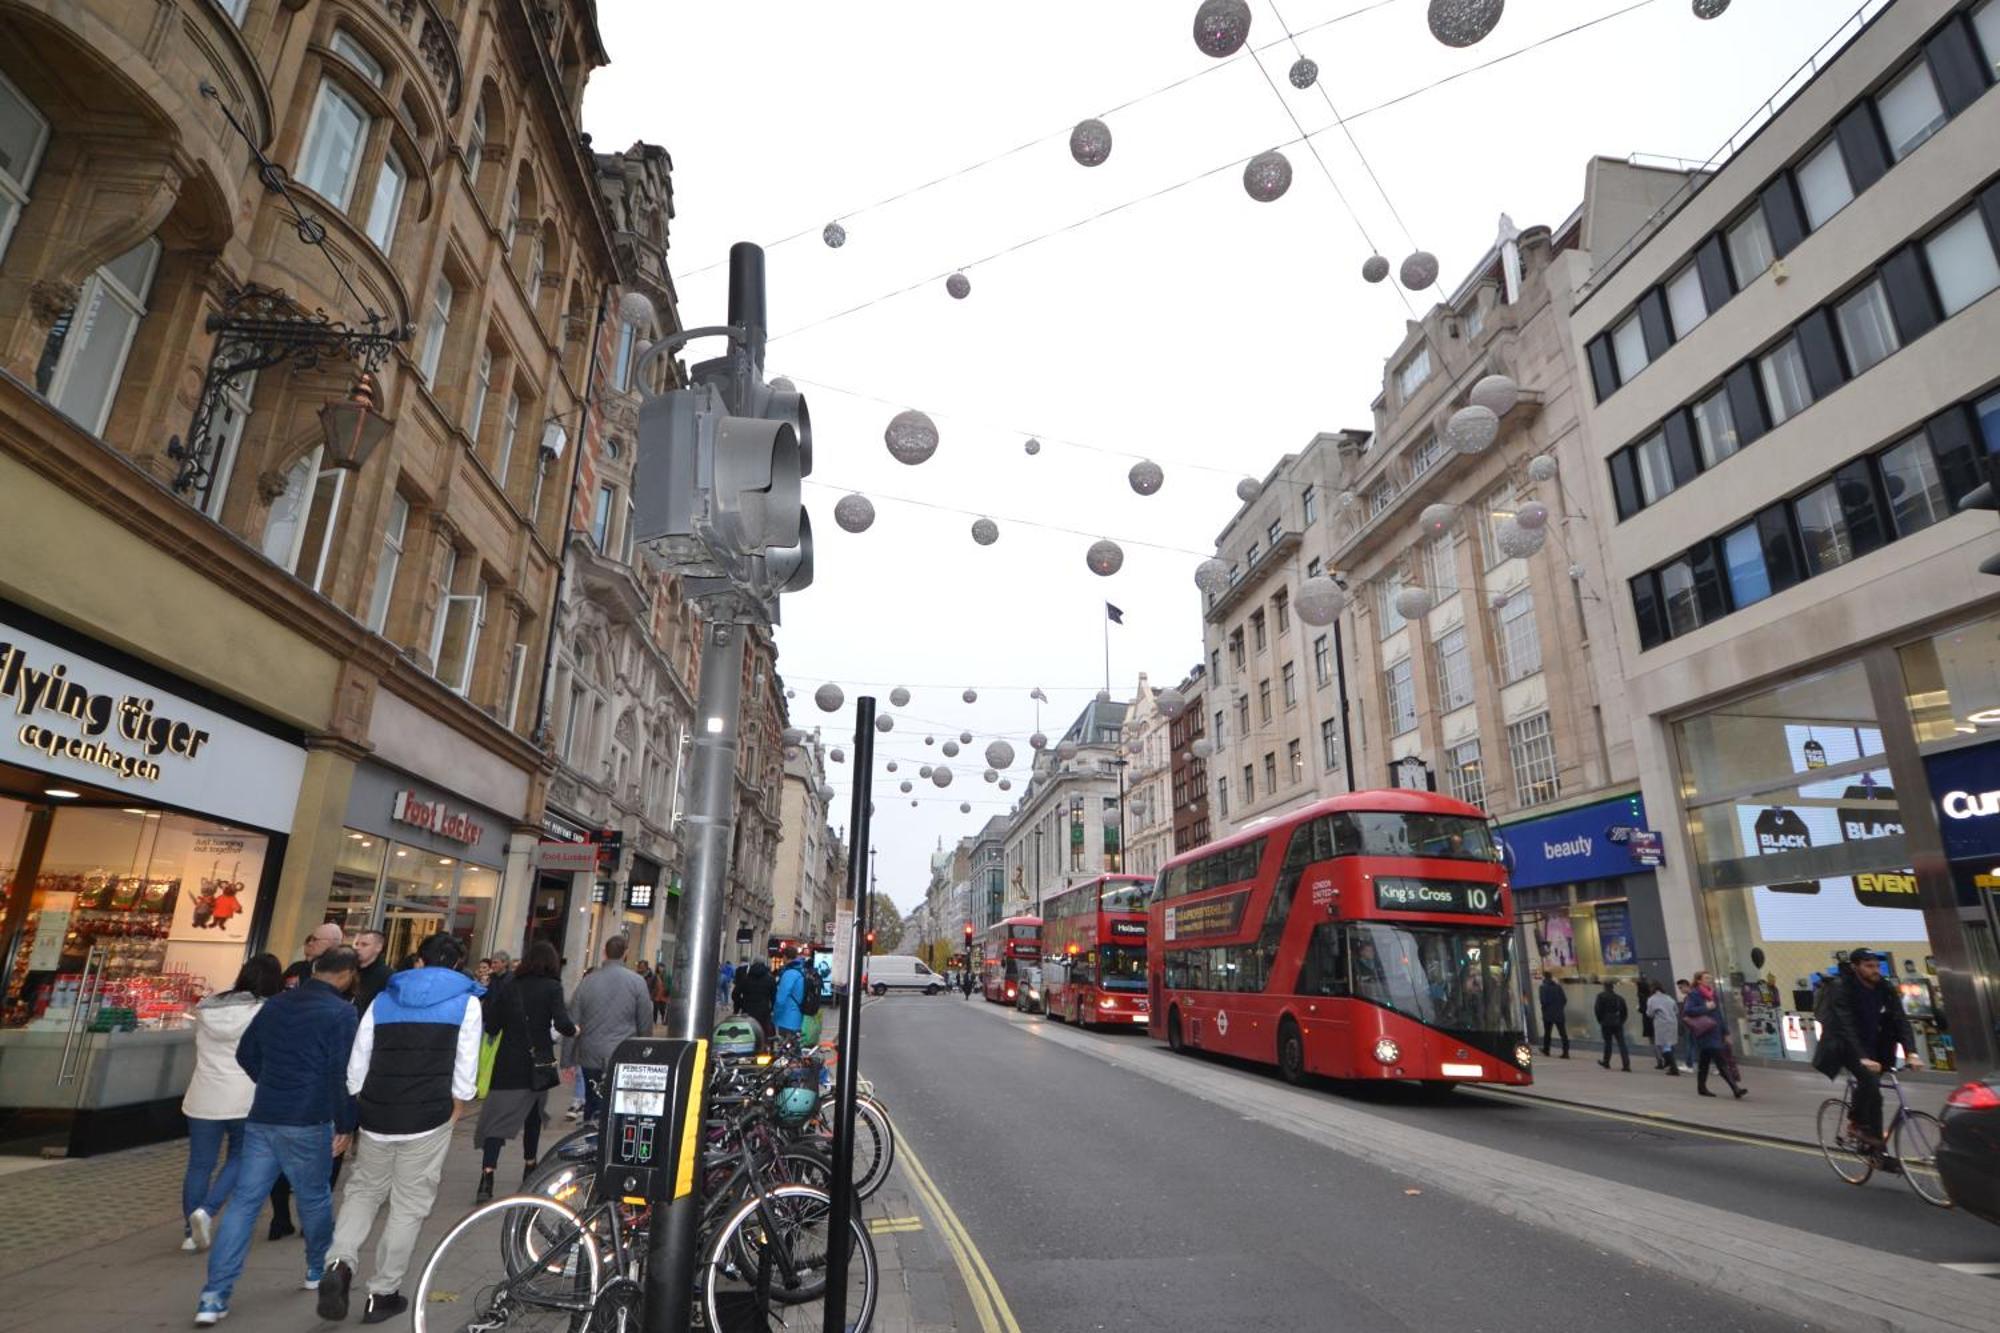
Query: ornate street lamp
x=353 y=427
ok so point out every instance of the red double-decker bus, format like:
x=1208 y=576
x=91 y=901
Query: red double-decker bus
x=1369 y=936
x=1094 y=951
x=1007 y=947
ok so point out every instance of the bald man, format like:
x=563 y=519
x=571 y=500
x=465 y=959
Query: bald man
x=326 y=935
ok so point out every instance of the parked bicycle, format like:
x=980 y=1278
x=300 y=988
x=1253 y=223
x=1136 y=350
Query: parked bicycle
x=1909 y=1147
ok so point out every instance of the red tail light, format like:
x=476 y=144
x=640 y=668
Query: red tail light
x=1975 y=1097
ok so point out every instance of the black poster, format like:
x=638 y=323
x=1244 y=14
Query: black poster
x=1781 y=830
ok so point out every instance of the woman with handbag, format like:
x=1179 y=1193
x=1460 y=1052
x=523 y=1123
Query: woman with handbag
x=524 y=1009
x=1702 y=1017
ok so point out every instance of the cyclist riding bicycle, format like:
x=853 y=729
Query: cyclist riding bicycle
x=1861 y=1024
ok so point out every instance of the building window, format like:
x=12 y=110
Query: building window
x=83 y=359
x=1531 y=748
x=1236 y=657
x=1322 y=661
x=357 y=55
x=1787 y=391
x=1715 y=428
x=1743 y=560
x=482 y=384
x=1249 y=784
x=1381 y=496
x=628 y=338
x=1215 y=664
x=1685 y=303
x=284 y=526
x=1295 y=756
x=1309 y=504
x=1386 y=611
x=1962 y=263
x=1463 y=777
x=387 y=203
x=435 y=325
x=1441 y=565
x=1221 y=732
x=1656 y=471
x=1454 y=670
x=1281 y=609
x=1866 y=330
x=1824 y=188
x=1270 y=772
x=388 y=562
x=475 y=141
x=1986 y=22
x=1401 y=683
x=1243 y=716
x=24 y=132
x=512 y=227
x=331 y=155
x=1329 y=746
x=1250 y=556
x=1823 y=528
x=1495 y=508
x=1314 y=567
x=1910 y=110
x=1222 y=797
x=1749 y=243
x=1426 y=455
x=1264 y=700
x=1628 y=345
x=1411 y=375
x=1289 y=684
x=1274 y=534
x=1520 y=643
x=1677 y=593
x=225 y=427
x=1257 y=629
x=1475 y=319
x=510 y=429
x=1916 y=492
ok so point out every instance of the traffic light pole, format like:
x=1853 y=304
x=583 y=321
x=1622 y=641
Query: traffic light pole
x=847 y=1076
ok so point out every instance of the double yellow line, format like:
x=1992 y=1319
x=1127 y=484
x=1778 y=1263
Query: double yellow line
x=995 y=1316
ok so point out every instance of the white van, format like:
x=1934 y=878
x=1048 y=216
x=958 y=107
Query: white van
x=902 y=971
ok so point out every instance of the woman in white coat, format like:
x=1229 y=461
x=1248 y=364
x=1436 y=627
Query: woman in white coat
x=218 y=1097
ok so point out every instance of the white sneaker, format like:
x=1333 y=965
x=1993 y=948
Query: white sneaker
x=204 y=1229
x=310 y=1284
x=187 y=1243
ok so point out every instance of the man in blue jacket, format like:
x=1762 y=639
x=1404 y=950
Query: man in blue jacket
x=787 y=1012
x=295 y=1050
x=415 y=1060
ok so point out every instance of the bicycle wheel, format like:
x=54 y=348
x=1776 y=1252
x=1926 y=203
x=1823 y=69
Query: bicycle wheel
x=1915 y=1144
x=783 y=1283
x=1843 y=1154
x=476 y=1280
x=874 y=1146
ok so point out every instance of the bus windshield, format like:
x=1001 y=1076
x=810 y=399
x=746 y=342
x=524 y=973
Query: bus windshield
x=1122 y=966
x=1127 y=897
x=1024 y=932
x=1379 y=833
x=1444 y=976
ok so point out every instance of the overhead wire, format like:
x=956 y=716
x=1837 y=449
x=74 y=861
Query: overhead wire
x=1003 y=518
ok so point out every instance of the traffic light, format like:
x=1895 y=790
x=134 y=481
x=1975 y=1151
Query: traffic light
x=968 y=934
x=1986 y=495
x=870 y=937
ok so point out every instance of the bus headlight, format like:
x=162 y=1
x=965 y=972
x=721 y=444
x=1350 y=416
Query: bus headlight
x=1107 y=1003
x=1524 y=1055
x=1387 y=1051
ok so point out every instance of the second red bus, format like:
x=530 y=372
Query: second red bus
x=1094 y=951
x=1007 y=950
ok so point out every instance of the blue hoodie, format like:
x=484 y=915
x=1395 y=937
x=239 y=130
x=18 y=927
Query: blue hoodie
x=786 y=1014
x=295 y=1050
x=413 y=1038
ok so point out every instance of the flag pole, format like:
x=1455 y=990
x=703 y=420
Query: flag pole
x=1107 y=648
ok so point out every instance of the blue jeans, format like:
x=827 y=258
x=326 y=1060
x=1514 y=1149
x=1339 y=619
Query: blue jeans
x=204 y=1187
x=591 y=1097
x=304 y=1155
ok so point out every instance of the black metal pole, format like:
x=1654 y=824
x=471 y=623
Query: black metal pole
x=1340 y=687
x=846 y=1081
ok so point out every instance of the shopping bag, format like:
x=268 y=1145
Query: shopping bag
x=488 y=1048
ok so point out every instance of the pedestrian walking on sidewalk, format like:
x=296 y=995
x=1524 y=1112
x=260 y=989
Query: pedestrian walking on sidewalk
x=1666 y=1015
x=725 y=987
x=611 y=1004
x=788 y=1007
x=1611 y=1013
x=219 y=1095
x=326 y=935
x=522 y=1011
x=295 y=1050
x=1861 y=1024
x=415 y=1061
x=1702 y=1015
x=756 y=989
x=965 y=982
x=1555 y=1006
x=1683 y=988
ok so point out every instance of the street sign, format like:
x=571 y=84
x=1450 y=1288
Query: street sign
x=1648 y=847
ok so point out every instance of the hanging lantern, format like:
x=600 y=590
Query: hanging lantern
x=1320 y=600
x=1464 y=22
x=941 y=776
x=1542 y=467
x=854 y=513
x=1038 y=742
x=1032 y=447
x=1516 y=542
x=1146 y=477
x=1248 y=489
x=1709 y=9
x=999 y=754
x=352 y=426
x=1472 y=430
x=1419 y=271
x=1304 y=73
x=1090 y=143
x=1105 y=558
x=1212 y=576
x=1532 y=515
x=959 y=286
x=885 y=723
x=1496 y=393
x=1267 y=176
x=1436 y=520
x=899 y=696
x=912 y=437
x=1413 y=602
x=1221 y=27
x=834 y=235
x=1171 y=703
x=950 y=748
x=829 y=697
x=985 y=531
x=1202 y=748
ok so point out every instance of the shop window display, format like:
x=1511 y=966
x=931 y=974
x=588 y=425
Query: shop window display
x=409 y=893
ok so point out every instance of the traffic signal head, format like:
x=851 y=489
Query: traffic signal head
x=968 y=932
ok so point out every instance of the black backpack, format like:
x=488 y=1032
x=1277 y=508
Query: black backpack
x=809 y=998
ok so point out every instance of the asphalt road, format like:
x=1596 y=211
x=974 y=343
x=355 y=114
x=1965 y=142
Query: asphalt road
x=1105 y=1200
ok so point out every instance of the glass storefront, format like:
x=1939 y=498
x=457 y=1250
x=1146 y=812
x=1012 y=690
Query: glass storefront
x=410 y=893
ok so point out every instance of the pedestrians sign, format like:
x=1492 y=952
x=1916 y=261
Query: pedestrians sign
x=1648 y=848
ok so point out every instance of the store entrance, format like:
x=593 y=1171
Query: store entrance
x=548 y=914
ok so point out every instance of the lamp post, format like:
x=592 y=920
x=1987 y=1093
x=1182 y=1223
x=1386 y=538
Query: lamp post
x=1121 y=761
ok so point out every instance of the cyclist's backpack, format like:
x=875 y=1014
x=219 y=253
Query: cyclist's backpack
x=809 y=998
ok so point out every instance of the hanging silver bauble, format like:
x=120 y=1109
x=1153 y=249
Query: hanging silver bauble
x=1419 y=271
x=965 y=737
x=1221 y=27
x=913 y=803
x=1374 y=268
x=965 y=807
x=985 y=531
x=950 y=748
x=1248 y=489
x=991 y=776
x=971 y=697
x=1413 y=602
x=1497 y=393
x=825 y=792
x=1171 y=703
x=1516 y=542
x=1497 y=601
x=1105 y=558
x=912 y=437
x=959 y=286
x=924 y=772
x=792 y=736
x=1005 y=785
x=906 y=787
x=1320 y=601
x=941 y=776
x=1304 y=72
x=1038 y=742
x=1532 y=515
x=1436 y=520
x=1146 y=477
x=999 y=754
x=829 y=697
x=1472 y=430
x=885 y=723
x=1090 y=142
x=838 y=756
x=1212 y=576
x=899 y=696
x=1709 y=9
x=1267 y=176
x=1066 y=749
x=1464 y=22
x=891 y=766
x=930 y=740
x=834 y=235
x=854 y=513
x=1202 y=748
x=1542 y=467
x=1032 y=447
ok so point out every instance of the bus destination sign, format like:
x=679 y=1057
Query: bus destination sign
x=1214 y=916
x=1395 y=894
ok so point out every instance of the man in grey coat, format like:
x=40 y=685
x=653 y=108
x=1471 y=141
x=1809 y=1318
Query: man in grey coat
x=611 y=1004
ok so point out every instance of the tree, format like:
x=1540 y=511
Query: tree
x=886 y=921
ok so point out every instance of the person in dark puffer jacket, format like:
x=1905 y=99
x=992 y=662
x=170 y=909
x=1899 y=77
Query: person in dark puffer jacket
x=416 y=1057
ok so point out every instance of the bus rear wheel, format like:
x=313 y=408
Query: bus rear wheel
x=1291 y=1053
x=1174 y=1041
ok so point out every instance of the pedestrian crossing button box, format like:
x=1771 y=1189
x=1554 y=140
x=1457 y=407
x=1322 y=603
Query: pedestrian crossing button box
x=650 y=1088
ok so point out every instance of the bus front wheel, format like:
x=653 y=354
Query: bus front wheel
x=1291 y=1053
x=1174 y=1041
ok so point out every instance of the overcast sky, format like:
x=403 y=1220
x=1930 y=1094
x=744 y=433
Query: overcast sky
x=1199 y=328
